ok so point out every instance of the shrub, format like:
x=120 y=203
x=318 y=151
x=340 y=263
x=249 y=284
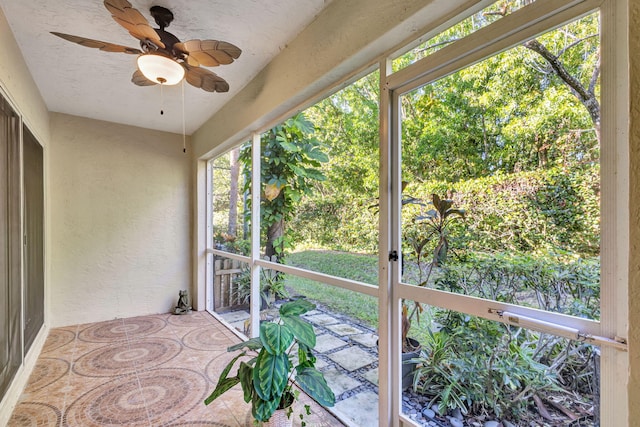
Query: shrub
x=486 y=367
x=482 y=368
x=560 y=282
x=547 y=209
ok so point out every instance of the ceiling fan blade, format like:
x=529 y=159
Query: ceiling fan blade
x=209 y=53
x=192 y=61
x=205 y=79
x=139 y=79
x=132 y=20
x=97 y=44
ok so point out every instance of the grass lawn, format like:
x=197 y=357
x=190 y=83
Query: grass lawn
x=363 y=268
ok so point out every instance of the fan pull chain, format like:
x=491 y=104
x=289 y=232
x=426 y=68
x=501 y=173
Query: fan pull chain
x=184 y=136
x=161 y=99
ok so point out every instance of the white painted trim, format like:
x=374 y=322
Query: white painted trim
x=231 y=255
x=352 y=285
x=386 y=397
x=615 y=110
x=407 y=422
x=488 y=309
x=541 y=16
x=256 y=221
x=396 y=244
x=463 y=11
x=208 y=237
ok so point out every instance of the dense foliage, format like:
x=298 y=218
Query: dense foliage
x=513 y=140
x=289 y=165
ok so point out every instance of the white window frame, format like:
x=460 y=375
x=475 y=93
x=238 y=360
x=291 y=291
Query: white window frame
x=542 y=16
x=610 y=332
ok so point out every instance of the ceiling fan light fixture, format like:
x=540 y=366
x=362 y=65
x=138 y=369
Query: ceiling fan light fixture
x=160 y=69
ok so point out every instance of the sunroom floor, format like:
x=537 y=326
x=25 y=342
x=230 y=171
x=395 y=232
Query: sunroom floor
x=141 y=371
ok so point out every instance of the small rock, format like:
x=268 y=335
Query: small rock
x=506 y=423
x=456 y=422
x=429 y=413
x=491 y=424
x=457 y=413
x=436 y=408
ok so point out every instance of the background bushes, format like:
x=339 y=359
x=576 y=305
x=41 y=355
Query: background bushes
x=546 y=209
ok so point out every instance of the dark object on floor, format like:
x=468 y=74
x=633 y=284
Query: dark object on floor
x=183 y=306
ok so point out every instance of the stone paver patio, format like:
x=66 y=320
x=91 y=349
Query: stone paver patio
x=347 y=354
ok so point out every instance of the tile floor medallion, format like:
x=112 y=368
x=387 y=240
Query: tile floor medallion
x=142 y=371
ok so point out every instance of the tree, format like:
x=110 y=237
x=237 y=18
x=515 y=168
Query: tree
x=533 y=106
x=570 y=72
x=289 y=168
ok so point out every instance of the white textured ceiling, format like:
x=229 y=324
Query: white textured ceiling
x=87 y=82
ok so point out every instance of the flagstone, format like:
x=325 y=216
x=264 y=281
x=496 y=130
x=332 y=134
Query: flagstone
x=328 y=342
x=339 y=382
x=352 y=358
x=359 y=410
x=344 y=329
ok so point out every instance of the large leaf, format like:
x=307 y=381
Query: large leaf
x=245 y=375
x=227 y=369
x=315 y=174
x=318 y=155
x=263 y=409
x=270 y=375
x=302 y=330
x=271 y=191
x=305 y=356
x=313 y=383
x=221 y=388
x=275 y=338
x=252 y=344
x=453 y=211
x=289 y=146
x=296 y=308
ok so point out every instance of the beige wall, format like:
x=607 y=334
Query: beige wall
x=120 y=209
x=634 y=214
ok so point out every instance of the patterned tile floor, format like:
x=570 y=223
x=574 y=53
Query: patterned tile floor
x=142 y=371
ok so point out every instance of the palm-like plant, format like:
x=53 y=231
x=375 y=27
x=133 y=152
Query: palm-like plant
x=437 y=222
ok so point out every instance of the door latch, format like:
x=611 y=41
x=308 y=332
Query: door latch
x=393 y=256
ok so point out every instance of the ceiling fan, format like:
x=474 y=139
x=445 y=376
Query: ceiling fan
x=163 y=58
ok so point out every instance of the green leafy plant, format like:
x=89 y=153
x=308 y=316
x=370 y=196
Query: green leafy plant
x=289 y=167
x=432 y=228
x=482 y=367
x=272 y=286
x=267 y=377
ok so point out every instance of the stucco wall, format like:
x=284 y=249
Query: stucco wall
x=634 y=214
x=120 y=205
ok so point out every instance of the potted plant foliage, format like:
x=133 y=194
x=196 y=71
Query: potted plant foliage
x=435 y=230
x=267 y=376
